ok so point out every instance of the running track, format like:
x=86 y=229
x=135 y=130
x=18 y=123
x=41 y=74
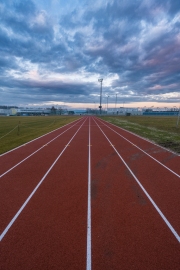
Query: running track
x=89 y=196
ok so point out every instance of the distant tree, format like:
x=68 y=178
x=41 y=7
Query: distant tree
x=53 y=110
x=88 y=110
x=59 y=111
x=71 y=112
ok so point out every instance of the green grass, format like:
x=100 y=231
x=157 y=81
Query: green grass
x=161 y=130
x=15 y=131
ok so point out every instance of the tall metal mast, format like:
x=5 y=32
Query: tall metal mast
x=100 y=107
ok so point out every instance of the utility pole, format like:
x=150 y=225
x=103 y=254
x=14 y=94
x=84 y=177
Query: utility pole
x=115 y=103
x=100 y=107
x=107 y=104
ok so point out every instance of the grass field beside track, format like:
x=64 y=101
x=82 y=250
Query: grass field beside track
x=17 y=130
x=161 y=130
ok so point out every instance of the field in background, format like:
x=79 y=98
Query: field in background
x=161 y=130
x=15 y=131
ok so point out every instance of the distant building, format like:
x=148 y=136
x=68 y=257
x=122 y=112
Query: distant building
x=80 y=112
x=161 y=113
x=124 y=111
x=142 y=111
x=32 y=111
x=8 y=112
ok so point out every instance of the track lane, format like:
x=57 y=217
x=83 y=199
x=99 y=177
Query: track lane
x=16 y=186
x=51 y=231
x=89 y=235
x=165 y=156
x=160 y=183
x=127 y=233
x=17 y=155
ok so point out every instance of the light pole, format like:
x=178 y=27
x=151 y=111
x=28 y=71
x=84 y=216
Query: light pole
x=115 y=102
x=100 y=107
x=138 y=110
x=107 y=104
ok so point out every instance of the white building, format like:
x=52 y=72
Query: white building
x=125 y=111
x=32 y=111
x=6 y=112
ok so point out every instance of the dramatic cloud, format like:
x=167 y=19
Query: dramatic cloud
x=55 y=51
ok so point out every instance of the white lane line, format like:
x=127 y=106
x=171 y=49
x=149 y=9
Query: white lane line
x=88 y=257
x=144 y=152
x=35 y=152
x=144 y=190
x=33 y=192
x=37 y=138
x=149 y=141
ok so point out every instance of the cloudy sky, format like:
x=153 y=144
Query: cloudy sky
x=54 y=51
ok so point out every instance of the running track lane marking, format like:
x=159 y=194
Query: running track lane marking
x=35 y=152
x=144 y=151
x=88 y=256
x=33 y=192
x=166 y=149
x=144 y=190
x=38 y=138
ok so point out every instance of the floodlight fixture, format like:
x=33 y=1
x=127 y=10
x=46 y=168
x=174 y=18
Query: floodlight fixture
x=100 y=106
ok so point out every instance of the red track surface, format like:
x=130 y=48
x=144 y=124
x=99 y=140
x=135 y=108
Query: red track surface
x=134 y=217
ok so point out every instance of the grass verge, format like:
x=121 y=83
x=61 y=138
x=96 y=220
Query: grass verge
x=161 y=130
x=15 y=131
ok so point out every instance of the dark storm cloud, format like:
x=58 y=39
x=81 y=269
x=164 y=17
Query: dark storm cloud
x=174 y=6
x=47 y=87
x=25 y=7
x=25 y=19
x=136 y=41
x=54 y=87
x=24 y=28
